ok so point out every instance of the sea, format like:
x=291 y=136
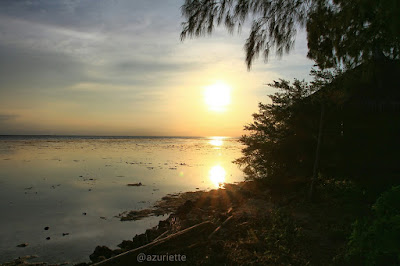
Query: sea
x=60 y=195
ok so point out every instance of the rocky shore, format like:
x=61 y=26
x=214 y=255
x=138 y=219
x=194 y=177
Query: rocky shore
x=199 y=221
x=240 y=224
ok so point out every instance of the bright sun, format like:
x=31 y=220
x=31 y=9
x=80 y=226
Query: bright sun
x=217 y=96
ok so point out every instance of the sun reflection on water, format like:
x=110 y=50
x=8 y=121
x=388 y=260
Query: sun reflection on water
x=217 y=142
x=217 y=175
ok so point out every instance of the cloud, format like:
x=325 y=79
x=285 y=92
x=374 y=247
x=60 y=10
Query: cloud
x=7 y=117
x=101 y=60
x=26 y=70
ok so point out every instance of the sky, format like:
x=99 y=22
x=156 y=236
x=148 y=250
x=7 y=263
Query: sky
x=118 y=67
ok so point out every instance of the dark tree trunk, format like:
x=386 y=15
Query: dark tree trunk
x=317 y=153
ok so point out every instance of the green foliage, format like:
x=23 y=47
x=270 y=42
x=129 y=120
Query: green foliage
x=282 y=238
x=340 y=33
x=280 y=143
x=274 y=22
x=343 y=32
x=376 y=241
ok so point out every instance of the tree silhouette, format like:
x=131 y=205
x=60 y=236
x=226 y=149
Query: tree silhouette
x=340 y=33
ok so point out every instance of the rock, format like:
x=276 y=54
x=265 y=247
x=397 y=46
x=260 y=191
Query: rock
x=101 y=253
x=22 y=245
x=163 y=224
x=135 y=184
x=135 y=215
x=185 y=208
x=140 y=240
x=48 y=238
x=46 y=228
x=84 y=213
x=126 y=245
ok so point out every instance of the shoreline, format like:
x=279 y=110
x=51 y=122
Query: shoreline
x=241 y=224
x=176 y=206
x=193 y=217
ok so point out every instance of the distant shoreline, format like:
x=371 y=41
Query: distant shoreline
x=112 y=137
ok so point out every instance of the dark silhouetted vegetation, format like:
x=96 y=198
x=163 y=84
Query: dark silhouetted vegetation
x=340 y=33
x=339 y=133
x=280 y=145
x=376 y=240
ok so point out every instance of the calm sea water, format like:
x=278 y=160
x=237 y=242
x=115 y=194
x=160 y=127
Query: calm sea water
x=48 y=181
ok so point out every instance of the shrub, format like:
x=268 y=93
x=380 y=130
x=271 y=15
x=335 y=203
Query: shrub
x=376 y=240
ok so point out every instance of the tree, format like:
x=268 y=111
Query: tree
x=280 y=144
x=286 y=133
x=340 y=33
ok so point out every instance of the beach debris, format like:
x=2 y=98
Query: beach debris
x=83 y=213
x=101 y=253
x=135 y=184
x=161 y=236
x=219 y=227
x=102 y=217
x=24 y=261
x=169 y=203
x=22 y=245
x=199 y=221
x=185 y=208
x=46 y=228
x=28 y=188
x=135 y=215
x=65 y=234
x=48 y=238
x=108 y=257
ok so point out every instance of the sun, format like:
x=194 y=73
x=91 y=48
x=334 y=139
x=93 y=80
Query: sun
x=217 y=96
x=217 y=175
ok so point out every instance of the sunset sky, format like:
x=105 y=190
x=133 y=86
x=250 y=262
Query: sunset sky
x=119 y=68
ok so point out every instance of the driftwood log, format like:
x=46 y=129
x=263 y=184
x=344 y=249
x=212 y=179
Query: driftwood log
x=219 y=227
x=130 y=257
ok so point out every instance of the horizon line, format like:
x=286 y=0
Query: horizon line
x=119 y=136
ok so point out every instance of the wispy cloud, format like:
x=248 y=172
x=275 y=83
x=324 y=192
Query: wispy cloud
x=7 y=117
x=108 y=61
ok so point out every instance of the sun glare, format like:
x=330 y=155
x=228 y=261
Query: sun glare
x=217 y=175
x=217 y=96
x=216 y=142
